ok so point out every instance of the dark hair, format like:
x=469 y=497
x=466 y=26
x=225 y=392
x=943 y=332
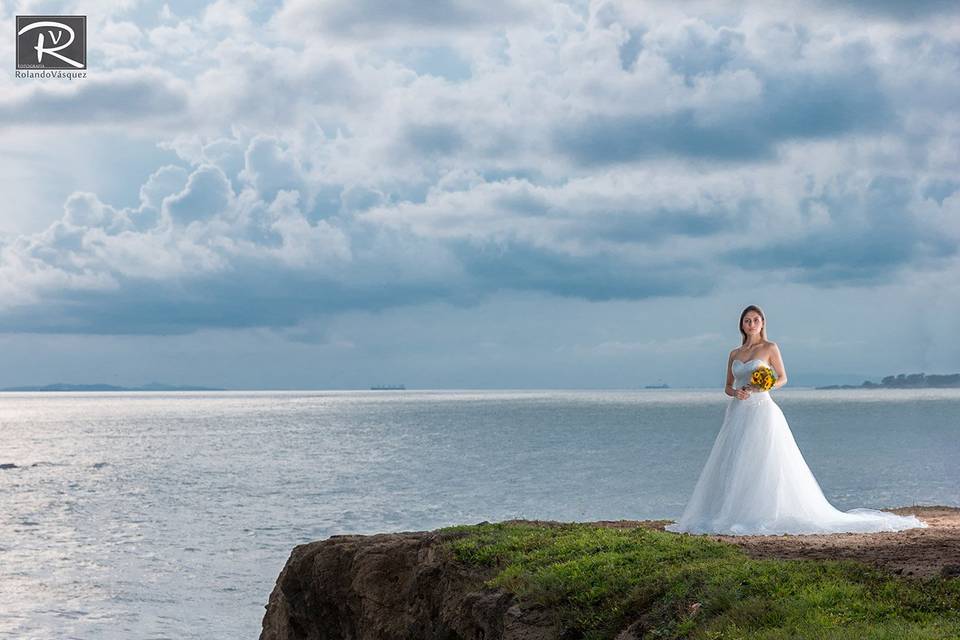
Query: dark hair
x=763 y=327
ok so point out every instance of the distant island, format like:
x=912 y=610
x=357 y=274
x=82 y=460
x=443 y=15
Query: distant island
x=152 y=386
x=906 y=381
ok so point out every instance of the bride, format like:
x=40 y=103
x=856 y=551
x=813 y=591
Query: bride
x=755 y=481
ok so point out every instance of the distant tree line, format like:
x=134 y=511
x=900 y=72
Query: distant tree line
x=906 y=381
x=912 y=380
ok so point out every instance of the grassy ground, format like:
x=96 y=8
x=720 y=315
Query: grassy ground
x=599 y=580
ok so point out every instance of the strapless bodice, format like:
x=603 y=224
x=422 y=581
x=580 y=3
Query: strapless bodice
x=743 y=370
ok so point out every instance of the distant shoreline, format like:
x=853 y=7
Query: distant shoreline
x=930 y=382
x=153 y=386
x=906 y=381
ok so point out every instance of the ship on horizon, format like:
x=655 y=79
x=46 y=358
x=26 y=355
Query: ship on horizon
x=388 y=387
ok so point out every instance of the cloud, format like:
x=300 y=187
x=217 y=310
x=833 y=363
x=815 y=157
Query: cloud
x=86 y=210
x=595 y=152
x=206 y=194
x=116 y=97
x=216 y=257
x=898 y=10
x=733 y=105
x=595 y=277
x=378 y=18
x=270 y=168
x=878 y=235
x=433 y=139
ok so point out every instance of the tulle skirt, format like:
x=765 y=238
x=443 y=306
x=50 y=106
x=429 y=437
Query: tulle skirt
x=756 y=482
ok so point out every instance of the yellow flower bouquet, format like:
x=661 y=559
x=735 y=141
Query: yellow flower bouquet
x=763 y=378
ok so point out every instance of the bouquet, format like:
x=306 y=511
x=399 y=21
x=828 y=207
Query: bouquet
x=763 y=378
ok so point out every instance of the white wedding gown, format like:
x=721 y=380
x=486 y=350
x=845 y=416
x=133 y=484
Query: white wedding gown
x=756 y=482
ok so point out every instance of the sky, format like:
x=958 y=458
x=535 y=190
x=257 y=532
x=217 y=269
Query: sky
x=503 y=194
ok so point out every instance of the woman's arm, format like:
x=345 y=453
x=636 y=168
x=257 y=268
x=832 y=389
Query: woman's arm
x=729 y=390
x=777 y=363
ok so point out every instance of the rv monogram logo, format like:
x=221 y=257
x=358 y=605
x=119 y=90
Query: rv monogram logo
x=51 y=42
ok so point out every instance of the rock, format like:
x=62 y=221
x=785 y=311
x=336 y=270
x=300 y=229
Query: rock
x=950 y=571
x=532 y=623
x=393 y=586
x=8 y=465
x=636 y=631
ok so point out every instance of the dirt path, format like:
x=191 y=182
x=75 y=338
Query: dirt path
x=915 y=552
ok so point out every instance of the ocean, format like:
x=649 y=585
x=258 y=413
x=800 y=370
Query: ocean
x=169 y=515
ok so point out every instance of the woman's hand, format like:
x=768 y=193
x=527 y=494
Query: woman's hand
x=743 y=393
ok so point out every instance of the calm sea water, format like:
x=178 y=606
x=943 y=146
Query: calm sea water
x=151 y=515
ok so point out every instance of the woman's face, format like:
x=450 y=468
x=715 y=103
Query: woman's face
x=752 y=323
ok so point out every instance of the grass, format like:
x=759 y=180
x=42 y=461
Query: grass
x=599 y=580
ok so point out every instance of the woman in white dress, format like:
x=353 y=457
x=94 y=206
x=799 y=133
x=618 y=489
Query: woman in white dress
x=755 y=481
